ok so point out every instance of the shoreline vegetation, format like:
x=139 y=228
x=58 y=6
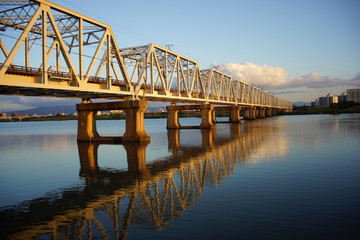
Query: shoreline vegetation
x=337 y=108
x=348 y=107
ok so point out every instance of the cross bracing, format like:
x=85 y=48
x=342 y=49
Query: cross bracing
x=48 y=50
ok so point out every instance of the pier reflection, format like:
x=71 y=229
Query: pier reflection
x=146 y=195
x=89 y=168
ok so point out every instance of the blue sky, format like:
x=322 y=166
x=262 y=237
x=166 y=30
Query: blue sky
x=299 y=50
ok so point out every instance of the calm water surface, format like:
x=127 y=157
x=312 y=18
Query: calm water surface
x=285 y=177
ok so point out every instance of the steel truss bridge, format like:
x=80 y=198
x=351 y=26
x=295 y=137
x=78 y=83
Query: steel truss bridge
x=48 y=50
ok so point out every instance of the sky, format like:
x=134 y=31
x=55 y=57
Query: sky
x=298 y=50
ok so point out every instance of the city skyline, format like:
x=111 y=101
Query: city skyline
x=295 y=50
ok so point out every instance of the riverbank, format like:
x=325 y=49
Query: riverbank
x=303 y=110
x=116 y=116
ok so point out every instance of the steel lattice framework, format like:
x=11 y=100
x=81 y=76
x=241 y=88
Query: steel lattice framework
x=48 y=50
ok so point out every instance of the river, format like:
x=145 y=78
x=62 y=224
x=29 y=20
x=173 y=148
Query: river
x=284 y=177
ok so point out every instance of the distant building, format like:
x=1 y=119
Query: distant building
x=323 y=102
x=328 y=100
x=116 y=111
x=353 y=95
x=14 y=114
x=342 y=97
x=332 y=99
x=160 y=110
x=315 y=104
x=2 y=114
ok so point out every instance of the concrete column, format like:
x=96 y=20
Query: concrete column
x=87 y=124
x=246 y=114
x=206 y=116
x=268 y=112
x=261 y=112
x=274 y=112
x=135 y=131
x=234 y=114
x=172 y=117
x=250 y=113
x=213 y=114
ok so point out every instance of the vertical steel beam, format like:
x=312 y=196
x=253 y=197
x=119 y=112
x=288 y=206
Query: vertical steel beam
x=44 y=46
x=57 y=48
x=152 y=56
x=81 y=50
x=108 y=65
x=27 y=52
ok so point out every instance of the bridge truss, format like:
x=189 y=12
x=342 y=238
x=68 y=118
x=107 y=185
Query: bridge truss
x=48 y=50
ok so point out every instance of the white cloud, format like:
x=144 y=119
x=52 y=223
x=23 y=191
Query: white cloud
x=12 y=106
x=355 y=81
x=268 y=77
x=314 y=80
x=14 y=103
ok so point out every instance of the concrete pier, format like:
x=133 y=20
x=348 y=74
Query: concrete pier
x=206 y=116
x=234 y=114
x=250 y=113
x=134 y=131
x=87 y=124
x=268 y=112
x=173 y=117
x=260 y=112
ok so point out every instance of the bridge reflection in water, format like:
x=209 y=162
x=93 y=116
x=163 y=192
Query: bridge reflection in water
x=146 y=195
